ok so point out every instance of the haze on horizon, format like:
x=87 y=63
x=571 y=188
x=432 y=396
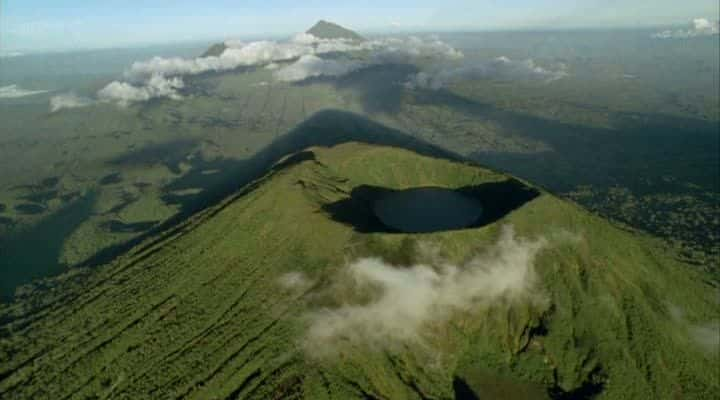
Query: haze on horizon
x=44 y=25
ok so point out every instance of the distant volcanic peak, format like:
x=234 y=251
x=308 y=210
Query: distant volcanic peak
x=321 y=30
x=215 y=50
x=328 y=30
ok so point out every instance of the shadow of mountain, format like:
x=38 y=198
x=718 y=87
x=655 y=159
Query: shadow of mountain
x=110 y=179
x=463 y=391
x=170 y=154
x=497 y=199
x=380 y=88
x=29 y=209
x=326 y=128
x=638 y=152
x=41 y=197
x=36 y=252
x=592 y=387
x=6 y=222
x=116 y=226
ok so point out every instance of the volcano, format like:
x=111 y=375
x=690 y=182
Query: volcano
x=223 y=304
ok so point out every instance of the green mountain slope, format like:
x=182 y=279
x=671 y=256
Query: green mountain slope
x=328 y=30
x=241 y=300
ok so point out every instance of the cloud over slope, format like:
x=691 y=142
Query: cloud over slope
x=305 y=56
x=501 y=68
x=162 y=77
x=14 y=91
x=407 y=299
x=68 y=100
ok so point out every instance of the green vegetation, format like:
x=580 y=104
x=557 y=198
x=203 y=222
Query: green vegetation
x=199 y=311
x=146 y=162
x=169 y=270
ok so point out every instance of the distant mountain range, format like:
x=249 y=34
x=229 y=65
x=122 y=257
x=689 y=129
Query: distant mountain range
x=322 y=29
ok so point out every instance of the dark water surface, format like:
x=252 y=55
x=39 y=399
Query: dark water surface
x=428 y=209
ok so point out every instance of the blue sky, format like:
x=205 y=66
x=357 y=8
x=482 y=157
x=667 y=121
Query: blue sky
x=66 y=24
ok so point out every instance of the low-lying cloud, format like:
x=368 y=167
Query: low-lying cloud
x=707 y=336
x=379 y=52
x=700 y=27
x=14 y=91
x=312 y=66
x=11 y=54
x=157 y=86
x=68 y=100
x=704 y=335
x=304 y=57
x=162 y=77
x=294 y=280
x=236 y=55
x=501 y=68
x=411 y=49
x=406 y=300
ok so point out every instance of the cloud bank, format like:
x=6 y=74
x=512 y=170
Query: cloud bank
x=157 y=86
x=162 y=77
x=311 y=66
x=700 y=27
x=11 y=54
x=303 y=57
x=14 y=91
x=68 y=100
x=501 y=68
x=237 y=54
x=408 y=299
x=379 y=52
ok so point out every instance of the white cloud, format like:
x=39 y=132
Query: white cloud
x=405 y=300
x=501 y=68
x=68 y=100
x=382 y=51
x=251 y=54
x=161 y=77
x=313 y=66
x=411 y=49
x=234 y=43
x=157 y=86
x=323 y=46
x=14 y=91
x=700 y=27
x=305 y=38
x=705 y=335
x=11 y=54
x=294 y=280
x=704 y=25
